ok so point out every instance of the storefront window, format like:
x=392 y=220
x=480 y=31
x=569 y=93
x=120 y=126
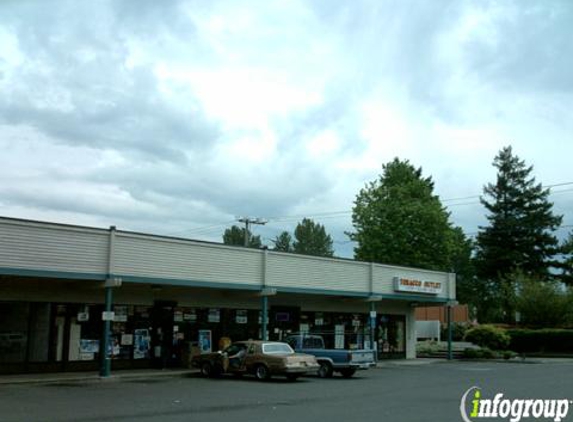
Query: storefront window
x=391 y=336
x=14 y=319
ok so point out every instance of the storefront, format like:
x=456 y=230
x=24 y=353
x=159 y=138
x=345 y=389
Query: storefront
x=164 y=299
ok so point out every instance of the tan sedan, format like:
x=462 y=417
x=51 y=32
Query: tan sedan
x=260 y=358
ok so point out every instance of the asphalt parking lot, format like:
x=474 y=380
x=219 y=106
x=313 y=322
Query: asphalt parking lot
x=401 y=393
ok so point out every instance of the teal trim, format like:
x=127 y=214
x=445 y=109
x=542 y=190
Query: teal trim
x=311 y=291
x=52 y=274
x=347 y=293
x=187 y=283
x=416 y=298
x=211 y=285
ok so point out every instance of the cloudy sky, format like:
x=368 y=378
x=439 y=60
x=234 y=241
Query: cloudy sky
x=176 y=117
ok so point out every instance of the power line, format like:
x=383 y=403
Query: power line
x=200 y=229
x=344 y=213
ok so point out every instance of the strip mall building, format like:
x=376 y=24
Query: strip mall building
x=68 y=293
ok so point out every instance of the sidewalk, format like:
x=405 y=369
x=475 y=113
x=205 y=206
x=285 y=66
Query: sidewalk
x=389 y=363
x=82 y=377
x=130 y=374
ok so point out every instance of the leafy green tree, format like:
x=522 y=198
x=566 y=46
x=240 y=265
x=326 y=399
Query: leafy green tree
x=310 y=238
x=541 y=303
x=283 y=242
x=399 y=220
x=520 y=233
x=236 y=236
x=468 y=290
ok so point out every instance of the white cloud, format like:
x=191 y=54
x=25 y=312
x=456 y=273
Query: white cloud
x=195 y=112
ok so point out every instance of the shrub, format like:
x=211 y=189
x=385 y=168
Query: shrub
x=472 y=354
x=488 y=336
x=459 y=330
x=483 y=353
x=541 y=341
x=487 y=353
x=508 y=354
x=427 y=347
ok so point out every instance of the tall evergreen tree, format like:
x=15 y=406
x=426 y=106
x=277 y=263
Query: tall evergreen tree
x=399 y=220
x=236 y=236
x=310 y=238
x=520 y=235
x=283 y=242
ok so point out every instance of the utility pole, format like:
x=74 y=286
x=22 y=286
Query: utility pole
x=248 y=221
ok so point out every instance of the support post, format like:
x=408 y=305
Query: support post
x=373 y=299
x=110 y=283
x=373 y=327
x=264 y=306
x=105 y=364
x=449 y=319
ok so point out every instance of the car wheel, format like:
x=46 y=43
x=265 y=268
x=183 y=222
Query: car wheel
x=262 y=373
x=325 y=370
x=347 y=373
x=206 y=369
x=292 y=377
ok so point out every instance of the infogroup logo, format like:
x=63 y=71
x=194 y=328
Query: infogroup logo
x=473 y=407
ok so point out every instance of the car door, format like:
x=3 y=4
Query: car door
x=251 y=356
x=234 y=357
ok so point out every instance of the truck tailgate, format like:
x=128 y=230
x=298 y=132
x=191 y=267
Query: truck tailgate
x=362 y=356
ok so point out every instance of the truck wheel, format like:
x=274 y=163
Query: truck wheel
x=262 y=372
x=325 y=370
x=206 y=369
x=347 y=372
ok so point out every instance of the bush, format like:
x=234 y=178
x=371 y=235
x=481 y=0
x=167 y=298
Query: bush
x=427 y=347
x=541 y=341
x=483 y=353
x=472 y=354
x=459 y=330
x=488 y=336
x=508 y=354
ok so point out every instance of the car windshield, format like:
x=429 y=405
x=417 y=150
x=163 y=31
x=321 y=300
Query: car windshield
x=277 y=348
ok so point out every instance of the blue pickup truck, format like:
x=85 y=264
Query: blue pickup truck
x=344 y=361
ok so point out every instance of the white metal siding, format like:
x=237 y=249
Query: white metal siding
x=52 y=248
x=163 y=258
x=295 y=271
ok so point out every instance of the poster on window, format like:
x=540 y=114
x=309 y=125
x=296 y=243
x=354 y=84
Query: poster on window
x=141 y=343
x=84 y=314
x=89 y=346
x=127 y=339
x=205 y=341
x=120 y=313
x=214 y=315
x=178 y=316
x=241 y=316
x=190 y=315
